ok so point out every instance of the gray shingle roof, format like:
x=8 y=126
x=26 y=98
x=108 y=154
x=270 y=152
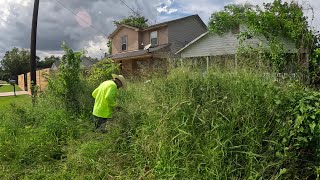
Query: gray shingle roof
x=174 y=21
x=138 y=52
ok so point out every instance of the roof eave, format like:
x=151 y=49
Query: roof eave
x=133 y=57
x=155 y=27
x=120 y=27
x=189 y=44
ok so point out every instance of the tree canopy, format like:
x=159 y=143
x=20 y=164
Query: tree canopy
x=134 y=21
x=47 y=62
x=16 y=62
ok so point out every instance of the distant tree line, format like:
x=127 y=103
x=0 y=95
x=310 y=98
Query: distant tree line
x=17 y=61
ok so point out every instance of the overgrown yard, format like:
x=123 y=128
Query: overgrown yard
x=218 y=125
x=188 y=124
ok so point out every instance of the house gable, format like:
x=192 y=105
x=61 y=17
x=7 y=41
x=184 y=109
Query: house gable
x=132 y=40
x=121 y=27
x=185 y=30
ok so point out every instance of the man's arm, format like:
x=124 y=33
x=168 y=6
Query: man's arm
x=94 y=93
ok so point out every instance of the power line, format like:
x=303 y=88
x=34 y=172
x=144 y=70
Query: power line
x=90 y=24
x=130 y=8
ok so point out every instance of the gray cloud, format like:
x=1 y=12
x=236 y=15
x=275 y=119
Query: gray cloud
x=56 y=24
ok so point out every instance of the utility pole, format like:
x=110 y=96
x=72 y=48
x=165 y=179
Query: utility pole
x=33 y=63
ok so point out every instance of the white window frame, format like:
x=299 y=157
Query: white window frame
x=157 y=37
x=126 y=43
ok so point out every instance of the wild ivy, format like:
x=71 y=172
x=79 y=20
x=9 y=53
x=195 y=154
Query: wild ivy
x=302 y=126
x=315 y=68
x=273 y=20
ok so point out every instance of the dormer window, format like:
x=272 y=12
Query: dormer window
x=124 y=43
x=154 y=38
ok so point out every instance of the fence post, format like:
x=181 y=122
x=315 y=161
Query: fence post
x=207 y=63
x=236 y=60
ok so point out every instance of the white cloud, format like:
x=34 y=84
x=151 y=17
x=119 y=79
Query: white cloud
x=165 y=7
x=43 y=54
x=204 y=8
x=97 y=47
x=7 y=5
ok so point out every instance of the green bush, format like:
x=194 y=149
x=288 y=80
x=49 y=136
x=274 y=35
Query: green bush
x=102 y=71
x=68 y=80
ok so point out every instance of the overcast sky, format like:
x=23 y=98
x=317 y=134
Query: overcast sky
x=57 y=24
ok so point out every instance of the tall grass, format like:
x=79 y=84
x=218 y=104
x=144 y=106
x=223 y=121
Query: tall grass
x=187 y=125
x=214 y=125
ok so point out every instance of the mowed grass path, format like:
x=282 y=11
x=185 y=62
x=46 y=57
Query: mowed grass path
x=6 y=101
x=19 y=100
x=9 y=88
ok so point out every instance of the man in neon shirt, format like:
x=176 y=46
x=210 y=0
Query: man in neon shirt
x=105 y=100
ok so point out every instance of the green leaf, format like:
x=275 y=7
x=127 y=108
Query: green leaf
x=283 y=171
x=278 y=102
x=312 y=126
x=302 y=139
x=299 y=121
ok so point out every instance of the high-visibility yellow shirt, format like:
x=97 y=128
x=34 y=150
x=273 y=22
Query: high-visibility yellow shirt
x=105 y=99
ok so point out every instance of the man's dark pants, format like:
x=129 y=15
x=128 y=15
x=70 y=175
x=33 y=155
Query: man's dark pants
x=100 y=122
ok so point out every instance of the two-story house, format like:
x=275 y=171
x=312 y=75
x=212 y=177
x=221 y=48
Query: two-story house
x=145 y=49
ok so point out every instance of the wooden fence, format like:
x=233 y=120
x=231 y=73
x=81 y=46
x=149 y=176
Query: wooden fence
x=24 y=80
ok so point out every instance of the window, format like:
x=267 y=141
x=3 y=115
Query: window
x=154 y=38
x=124 y=43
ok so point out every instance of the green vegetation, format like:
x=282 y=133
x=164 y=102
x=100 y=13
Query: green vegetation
x=8 y=88
x=15 y=62
x=274 y=21
x=134 y=21
x=109 y=44
x=6 y=102
x=47 y=62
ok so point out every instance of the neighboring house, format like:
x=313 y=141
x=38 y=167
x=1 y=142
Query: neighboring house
x=144 y=49
x=224 y=47
x=86 y=63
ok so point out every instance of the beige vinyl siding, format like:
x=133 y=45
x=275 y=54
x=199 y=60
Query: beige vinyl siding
x=132 y=40
x=162 y=36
